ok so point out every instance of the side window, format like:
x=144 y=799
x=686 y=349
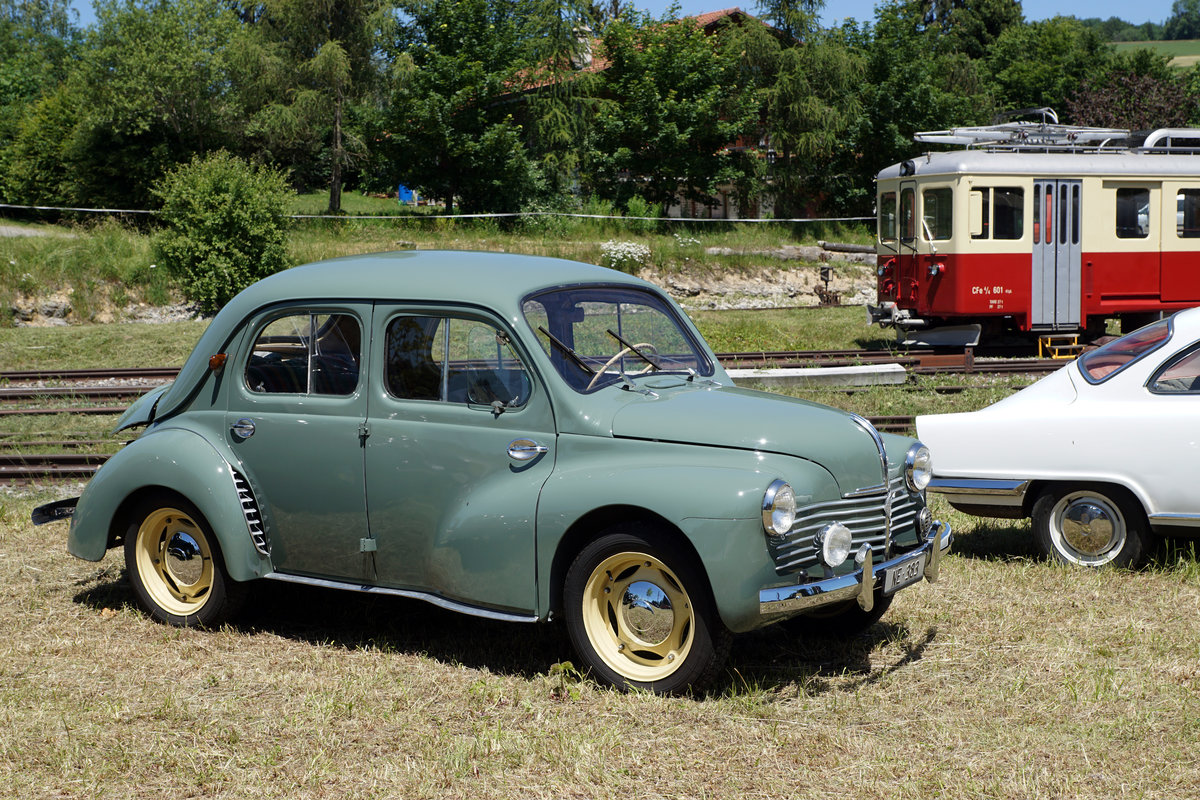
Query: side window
x=938 y=212
x=306 y=354
x=1181 y=376
x=1133 y=213
x=453 y=360
x=907 y=214
x=1008 y=212
x=1187 y=213
x=887 y=216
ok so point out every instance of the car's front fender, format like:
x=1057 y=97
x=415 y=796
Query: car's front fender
x=173 y=460
x=711 y=496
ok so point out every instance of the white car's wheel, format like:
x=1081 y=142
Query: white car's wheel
x=1091 y=526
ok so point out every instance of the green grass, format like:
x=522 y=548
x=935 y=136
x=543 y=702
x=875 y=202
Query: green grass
x=1183 y=52
x=1010 y=677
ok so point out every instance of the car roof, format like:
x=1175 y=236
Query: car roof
x=492 y=280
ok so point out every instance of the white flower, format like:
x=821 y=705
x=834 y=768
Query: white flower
x=624 y=255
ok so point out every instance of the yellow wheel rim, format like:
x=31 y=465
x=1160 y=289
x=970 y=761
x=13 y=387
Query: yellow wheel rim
x=174 y=561
x=638 y=616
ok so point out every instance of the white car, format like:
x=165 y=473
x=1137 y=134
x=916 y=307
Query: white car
x=1103 y=454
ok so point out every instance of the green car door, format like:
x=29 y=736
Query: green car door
x=460 y=440
x=294 y=420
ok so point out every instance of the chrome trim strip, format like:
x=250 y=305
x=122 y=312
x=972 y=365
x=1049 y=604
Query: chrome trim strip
x=1182 y=520
x=989 y=486
x=807 y=596
x=432 y=599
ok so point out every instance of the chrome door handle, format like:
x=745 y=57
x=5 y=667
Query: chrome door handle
x=525 y=449
x=243 y=428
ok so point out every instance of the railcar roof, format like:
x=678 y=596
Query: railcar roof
x=1124 y=163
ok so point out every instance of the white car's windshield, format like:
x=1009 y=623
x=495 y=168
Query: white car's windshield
x=600 y=335
x=1105 y=361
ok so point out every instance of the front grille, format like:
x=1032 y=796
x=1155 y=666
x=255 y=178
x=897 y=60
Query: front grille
x=866 y=517
x=251 y=512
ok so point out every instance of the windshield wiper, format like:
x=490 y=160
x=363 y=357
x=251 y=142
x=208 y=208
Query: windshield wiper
x=633 y=348
x=554 y=340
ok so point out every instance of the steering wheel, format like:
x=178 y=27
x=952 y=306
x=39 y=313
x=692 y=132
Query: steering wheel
x=621 y=353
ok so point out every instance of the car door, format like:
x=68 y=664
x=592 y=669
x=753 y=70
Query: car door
x=294 y=420
x=461 y=438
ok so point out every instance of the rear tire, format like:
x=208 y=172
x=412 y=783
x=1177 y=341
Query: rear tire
x=175 y=565
x=640 y=613
x=1092 y=526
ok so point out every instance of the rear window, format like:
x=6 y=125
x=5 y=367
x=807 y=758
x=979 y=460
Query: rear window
x=1102 y=363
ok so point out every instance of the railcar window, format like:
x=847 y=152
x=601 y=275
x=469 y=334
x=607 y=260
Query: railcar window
x=907 y=214
x=938 y=213
x=1187 y=213
x=887 y=217
x=1075 y=214
x=1133 y=213
x=1008 y=203
x=981 y=203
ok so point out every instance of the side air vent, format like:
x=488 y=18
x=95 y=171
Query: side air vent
x=254 y=522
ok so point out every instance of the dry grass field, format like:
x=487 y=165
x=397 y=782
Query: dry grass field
x=1008 y=678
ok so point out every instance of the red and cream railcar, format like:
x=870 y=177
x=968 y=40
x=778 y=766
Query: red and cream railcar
x=1038 y=228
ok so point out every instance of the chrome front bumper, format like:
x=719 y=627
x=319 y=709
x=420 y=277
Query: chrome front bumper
x=806 y=596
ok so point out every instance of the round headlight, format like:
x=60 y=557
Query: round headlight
x=835 y=540
x=778 y=508
x=918 y=467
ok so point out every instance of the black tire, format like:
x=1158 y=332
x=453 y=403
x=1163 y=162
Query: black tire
x=640 y=613
x=841 y=620
x=1092 y=526
x=175 y=565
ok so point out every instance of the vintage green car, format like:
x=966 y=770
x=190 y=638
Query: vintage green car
x=513 y=437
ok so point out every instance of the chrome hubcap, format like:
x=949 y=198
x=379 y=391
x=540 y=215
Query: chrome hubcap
x=647 y=612
x=1089 y=527
x=183 y=559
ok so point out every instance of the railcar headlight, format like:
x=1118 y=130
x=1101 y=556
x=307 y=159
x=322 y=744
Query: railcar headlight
x=778 y=508
x=835 y=541
x=918 y=467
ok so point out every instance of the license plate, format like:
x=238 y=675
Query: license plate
x=903 y=574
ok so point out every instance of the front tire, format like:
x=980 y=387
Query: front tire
x=640 y=615
x=175 y=565
x=1091 y=526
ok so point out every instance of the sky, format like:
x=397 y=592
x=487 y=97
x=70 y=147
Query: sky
x=864 y=10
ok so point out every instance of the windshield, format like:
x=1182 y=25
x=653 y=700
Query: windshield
x=1102 y=363
x=597 y=336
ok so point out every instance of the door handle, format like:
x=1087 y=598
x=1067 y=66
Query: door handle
x=243 y=429
x=525 y=449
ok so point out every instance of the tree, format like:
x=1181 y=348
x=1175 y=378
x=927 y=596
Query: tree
x=971 y=26
x=331 y=46
x=1184 y=22
x=1042 y=63
x=675 y=107
x=1140 y=92
x=451 y=128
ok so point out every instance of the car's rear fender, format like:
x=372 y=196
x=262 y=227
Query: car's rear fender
x=171 y=460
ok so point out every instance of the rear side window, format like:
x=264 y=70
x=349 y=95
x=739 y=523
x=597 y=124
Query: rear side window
x=1179 y=376
x=1104 y=362
x=306 y=354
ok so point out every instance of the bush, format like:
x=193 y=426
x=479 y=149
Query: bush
x=638 y=207
x=225 y=227
x=625 y=256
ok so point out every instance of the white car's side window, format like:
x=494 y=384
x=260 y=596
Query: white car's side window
x=1179 y=376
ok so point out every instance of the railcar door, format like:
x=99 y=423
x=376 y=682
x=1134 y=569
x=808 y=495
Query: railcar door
x=1056 y=278
x=906 y=254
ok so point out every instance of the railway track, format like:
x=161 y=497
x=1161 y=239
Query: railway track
x=97 y=391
